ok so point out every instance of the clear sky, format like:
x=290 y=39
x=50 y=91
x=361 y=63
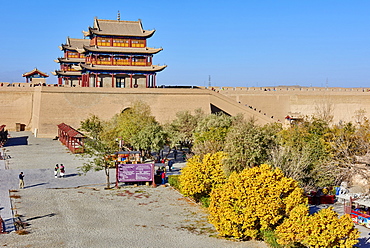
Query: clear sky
x=236 y=43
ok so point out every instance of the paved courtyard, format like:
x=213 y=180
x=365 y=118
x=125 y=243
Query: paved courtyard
x=76 y=211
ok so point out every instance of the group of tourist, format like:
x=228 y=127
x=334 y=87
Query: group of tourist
x=59 y=170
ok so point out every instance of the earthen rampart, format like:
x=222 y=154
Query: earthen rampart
x=41 y=108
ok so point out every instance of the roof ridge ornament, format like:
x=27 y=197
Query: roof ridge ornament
x=118 y=16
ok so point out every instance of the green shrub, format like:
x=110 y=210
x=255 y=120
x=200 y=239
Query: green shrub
x=270 y=238
x=205 y=200
x=173 y=180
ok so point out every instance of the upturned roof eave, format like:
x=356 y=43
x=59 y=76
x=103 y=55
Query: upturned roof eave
x=145 y=34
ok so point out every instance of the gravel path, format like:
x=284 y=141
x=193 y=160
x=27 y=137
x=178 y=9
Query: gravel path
x=76 y=211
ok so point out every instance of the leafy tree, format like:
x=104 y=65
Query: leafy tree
x=202 y=174
x=135 y=126
x=256 y=199
x=211 y=132
x=151 y=137
x=131 y=121
x=181 y=129
x=98 y=146
x=248 y=144
x=304 y=154
x=347 y=142
x=323 y=229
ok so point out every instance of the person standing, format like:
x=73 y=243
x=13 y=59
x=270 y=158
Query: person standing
x=163 y=175
x=174 y=153
x=62 y=170
x=170 y=164
x=56 y=170
x=21 y=180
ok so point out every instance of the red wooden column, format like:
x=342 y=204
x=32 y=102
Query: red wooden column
x=112 y=80
x=146 y=81
x=130 y=80
x=154 y=81
x=96 y=79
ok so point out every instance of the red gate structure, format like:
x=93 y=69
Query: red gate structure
x=71 y=138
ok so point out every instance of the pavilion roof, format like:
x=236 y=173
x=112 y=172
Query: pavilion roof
x=119 y=28
x=71 y=132
x=75 y=44
x=127 y=50
x=124 y=68
x=35 y=71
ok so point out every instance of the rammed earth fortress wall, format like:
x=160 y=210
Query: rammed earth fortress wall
x=41 y=108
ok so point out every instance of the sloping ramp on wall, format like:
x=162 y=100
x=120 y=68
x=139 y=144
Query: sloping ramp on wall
x=221 y=103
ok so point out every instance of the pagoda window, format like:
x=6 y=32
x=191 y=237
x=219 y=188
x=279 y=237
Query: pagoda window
x=118 y=42
x=103 y=41
x=104 y=60
x=138 y=43
x=72 y=55
x=139 y=61
x=125 y=60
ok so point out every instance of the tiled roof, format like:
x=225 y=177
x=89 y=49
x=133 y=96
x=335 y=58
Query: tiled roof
x=71 y=132
x=33 y=72
x=152 y=68
x=74 y=44
x=127 y=50
x=66 y=73
x=119 y=28
x=70 y=60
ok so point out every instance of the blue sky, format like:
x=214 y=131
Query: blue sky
x=237 y=43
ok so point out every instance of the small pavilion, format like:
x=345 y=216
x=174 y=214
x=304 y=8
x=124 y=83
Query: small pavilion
x=35 y=76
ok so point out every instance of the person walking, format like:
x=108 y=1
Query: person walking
x=56 y=170
x=21 y=180
x=62 y=170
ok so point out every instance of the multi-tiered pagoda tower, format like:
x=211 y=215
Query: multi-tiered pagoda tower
x=115 y=55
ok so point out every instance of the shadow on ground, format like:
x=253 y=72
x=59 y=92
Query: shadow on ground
x=17 y=141
x=42 y=216
x=34 y=185
x=364 y=242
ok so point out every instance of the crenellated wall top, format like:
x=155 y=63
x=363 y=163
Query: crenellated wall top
x=289 y=88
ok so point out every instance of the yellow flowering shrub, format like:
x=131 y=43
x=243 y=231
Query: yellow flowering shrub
x=255 y=199
x=323 y=229
x=201 y=175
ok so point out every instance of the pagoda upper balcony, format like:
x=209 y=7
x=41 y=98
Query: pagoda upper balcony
x=69 y=54
x=117 y=42
x=67 y=68
x=124 y=60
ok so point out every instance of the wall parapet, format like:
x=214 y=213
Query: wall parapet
x=290 y=88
